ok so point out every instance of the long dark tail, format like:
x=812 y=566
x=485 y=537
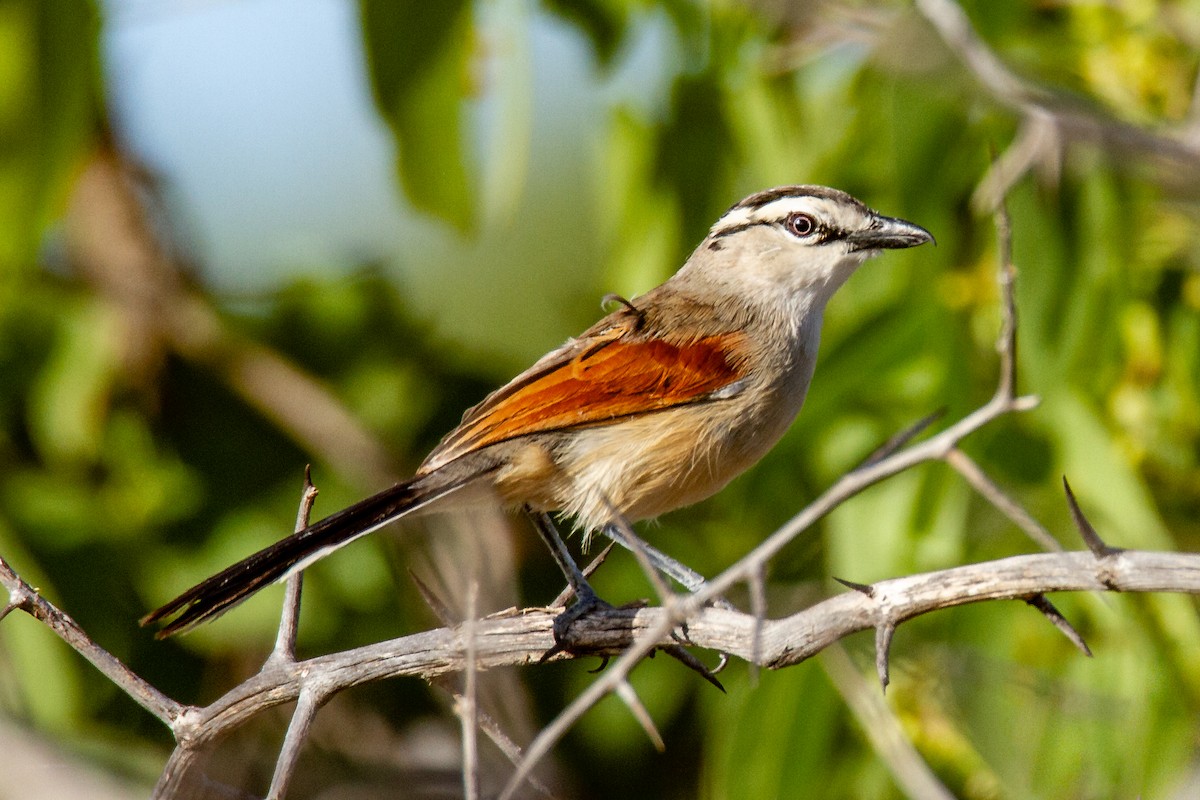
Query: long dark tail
x=227 y=588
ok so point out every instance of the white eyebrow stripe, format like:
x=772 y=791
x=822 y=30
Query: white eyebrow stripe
x=774 y=211
x=779 y=209
x=737 y=217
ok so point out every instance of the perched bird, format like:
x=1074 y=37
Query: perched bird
x=656 y=406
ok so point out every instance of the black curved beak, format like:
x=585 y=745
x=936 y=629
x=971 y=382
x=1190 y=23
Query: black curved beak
x=889 y=233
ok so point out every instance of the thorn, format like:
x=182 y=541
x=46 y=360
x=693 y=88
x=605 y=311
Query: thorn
x=555 y=649
x=625 y=691
x=603 y=665
x=900 y=439
x=691 y=662
x=883 y=646
x=308 y=484
x=11 y=606
x=865 y=588
x=1043 y=604
x=1090 y=537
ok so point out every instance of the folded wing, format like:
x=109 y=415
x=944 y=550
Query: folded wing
x=598 y=379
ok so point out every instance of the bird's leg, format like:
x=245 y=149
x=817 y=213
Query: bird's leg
x=586 y=599
x=681 y=573
x=562 y=556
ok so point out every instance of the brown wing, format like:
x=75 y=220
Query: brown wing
x=605 y=375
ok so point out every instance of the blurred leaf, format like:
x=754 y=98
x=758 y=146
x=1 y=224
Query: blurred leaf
x=784 y=737
x=48 y=83
x=418 y=57
x=45 y=675
x=604 y=23
x=694 y=153
x=69 y=402
x=129 y=487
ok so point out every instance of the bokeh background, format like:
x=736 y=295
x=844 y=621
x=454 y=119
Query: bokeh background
x=240 y=236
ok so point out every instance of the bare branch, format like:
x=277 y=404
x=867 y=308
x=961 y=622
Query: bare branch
x=1049 y=119
x=23 y=596
x=758 y=607
x=468 y=710
x=520 y=637
x=1038 y=142
x=1006 y=344
x=883 y=649
x=293 y=742
x=285 y=640
x=902 y=438
x=983 y=484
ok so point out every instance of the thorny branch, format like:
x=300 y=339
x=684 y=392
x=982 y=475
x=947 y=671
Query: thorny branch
x=519 y=637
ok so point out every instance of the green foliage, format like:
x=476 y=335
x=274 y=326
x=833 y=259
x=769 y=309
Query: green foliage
x=418 y=57
x=120 y=484
x=48 y=84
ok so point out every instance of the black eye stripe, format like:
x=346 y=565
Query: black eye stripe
x=824 y=233
x=821 y=231
x=736 y=229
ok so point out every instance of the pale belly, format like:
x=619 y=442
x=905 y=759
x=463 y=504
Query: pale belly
x=648 y=466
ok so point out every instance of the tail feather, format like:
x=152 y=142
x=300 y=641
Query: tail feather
x=216 y=595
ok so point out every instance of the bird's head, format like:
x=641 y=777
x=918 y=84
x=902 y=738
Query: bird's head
x=799 y=242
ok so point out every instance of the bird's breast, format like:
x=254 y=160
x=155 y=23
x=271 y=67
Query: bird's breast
x=646 y=466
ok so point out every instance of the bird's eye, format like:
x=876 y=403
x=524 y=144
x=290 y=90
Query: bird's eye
x=801 y=224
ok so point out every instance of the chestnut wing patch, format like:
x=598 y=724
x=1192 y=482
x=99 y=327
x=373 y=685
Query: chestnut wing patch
x=601 y=382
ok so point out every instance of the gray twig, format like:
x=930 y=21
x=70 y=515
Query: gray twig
x=289 y=622
x=1050 y=119
x=758 y=607
x=634 y=703
x=982 y=483
x=293 y=742
x=23 y=596
x=468 y=710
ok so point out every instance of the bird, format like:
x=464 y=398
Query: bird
x=656 y=406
